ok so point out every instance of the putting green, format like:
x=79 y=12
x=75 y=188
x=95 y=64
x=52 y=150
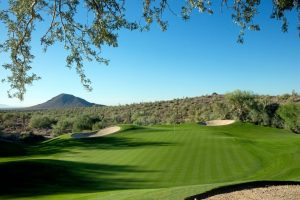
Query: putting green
x=157 y=162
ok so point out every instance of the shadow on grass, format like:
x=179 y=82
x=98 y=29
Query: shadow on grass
x=10 y=149
x=65 y=145
x=43 y=176
x=240 y=187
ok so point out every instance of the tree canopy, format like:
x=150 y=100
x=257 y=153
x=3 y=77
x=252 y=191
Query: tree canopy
x=84 y=40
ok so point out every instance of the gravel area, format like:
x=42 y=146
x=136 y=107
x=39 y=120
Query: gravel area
x=285 y=192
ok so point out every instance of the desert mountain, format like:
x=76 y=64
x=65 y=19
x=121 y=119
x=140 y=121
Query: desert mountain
x=64 y=101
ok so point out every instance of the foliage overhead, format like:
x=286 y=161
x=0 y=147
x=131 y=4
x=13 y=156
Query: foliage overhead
x=84 y=39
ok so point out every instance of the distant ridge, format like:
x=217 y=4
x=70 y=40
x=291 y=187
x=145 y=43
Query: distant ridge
x=64 y=101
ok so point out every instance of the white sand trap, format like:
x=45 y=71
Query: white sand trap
x=218 y=122
x=290 y=192
x=106 y=131
x=102 y=132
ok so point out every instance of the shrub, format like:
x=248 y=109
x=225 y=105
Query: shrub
x=266 y=119
x=241 y=103
x=290 y=113
x=254 y=116
x=8 y=120
x=63 y=125
x=84 y=122
x=221 y=110
x=98 y=126
x=41 y=122
x=277 y=122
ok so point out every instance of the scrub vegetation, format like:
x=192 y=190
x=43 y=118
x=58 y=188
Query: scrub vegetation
x=274 y=111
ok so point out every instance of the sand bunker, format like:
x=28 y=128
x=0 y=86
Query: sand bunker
x=291 y=192
x=102 y=132
x=218 y=122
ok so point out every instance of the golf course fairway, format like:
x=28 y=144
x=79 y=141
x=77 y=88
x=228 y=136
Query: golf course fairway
x=147 y=163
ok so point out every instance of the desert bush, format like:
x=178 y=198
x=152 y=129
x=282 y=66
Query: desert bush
x=98 y=126
x=221 y=110
x=290 y=113
x=277 y=122
x=1 y=117
x=63 y=125
x=269 y=114
x=241 y=103
x=254 y=116
x=266 y=119
x=45 y=122
x=8 y=119
x=84 y=122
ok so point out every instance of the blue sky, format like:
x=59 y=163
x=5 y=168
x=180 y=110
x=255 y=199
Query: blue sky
x=192 y=58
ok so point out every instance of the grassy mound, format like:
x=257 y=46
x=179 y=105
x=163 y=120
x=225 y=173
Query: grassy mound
x=160 y=162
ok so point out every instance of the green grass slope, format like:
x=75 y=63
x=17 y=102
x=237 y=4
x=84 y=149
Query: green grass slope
x=151 y=163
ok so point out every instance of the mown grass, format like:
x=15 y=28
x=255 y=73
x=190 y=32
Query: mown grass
x=157 y=162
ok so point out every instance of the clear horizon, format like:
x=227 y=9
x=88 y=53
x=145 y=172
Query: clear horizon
x=190 y=59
